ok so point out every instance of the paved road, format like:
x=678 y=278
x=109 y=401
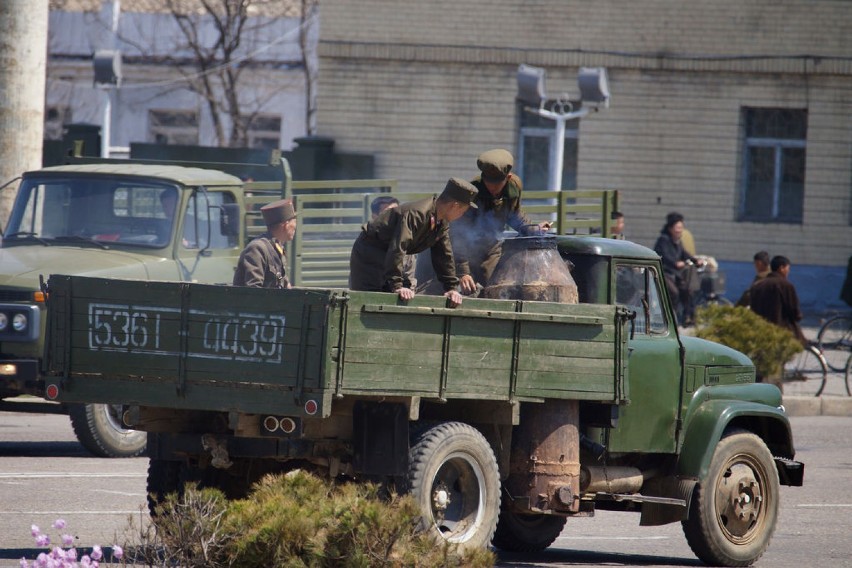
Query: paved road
x=45 y=474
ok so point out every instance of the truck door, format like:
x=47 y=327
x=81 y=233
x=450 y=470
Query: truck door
x=648 y=423
x=205 y=252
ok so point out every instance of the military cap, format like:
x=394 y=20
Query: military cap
x=495 y=165
x=278 y=212
x=461 y=191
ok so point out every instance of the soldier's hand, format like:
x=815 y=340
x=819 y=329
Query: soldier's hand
x=454 y=297
x=467 y=284
x=405 y=293
x=545 y=226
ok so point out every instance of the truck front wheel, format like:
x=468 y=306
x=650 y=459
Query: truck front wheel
x=734 y=510
x=453 y=476
x=527 y=533
x=100 y=430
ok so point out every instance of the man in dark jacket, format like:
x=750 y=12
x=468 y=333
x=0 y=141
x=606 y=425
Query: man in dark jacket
x=478 y=235
x=775 y=299
x=263 y=263
x=378 y=255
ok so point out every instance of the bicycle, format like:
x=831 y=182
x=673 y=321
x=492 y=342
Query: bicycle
x=835 y=339
x=806 y=374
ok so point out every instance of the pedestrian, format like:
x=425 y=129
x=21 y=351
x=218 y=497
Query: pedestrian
x=378 y=255
x=678 y=266
x=761 y=271
x=617 y=230
x=477 y=237
x=379 y=206
x=774 y=298
x=263 y=262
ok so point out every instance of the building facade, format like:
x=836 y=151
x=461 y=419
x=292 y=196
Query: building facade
x=738 y=115
x=152 y=102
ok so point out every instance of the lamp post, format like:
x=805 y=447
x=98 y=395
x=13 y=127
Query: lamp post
x=594 y=92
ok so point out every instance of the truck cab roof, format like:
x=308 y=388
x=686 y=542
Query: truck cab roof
x=599 y=246
x=180 y=174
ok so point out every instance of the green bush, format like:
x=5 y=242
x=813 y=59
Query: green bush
x=296 y=520
x=768 y=345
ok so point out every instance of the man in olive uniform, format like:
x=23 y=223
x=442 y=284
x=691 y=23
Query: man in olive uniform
x=477 y=236
x=263 y=263
x=378 y=255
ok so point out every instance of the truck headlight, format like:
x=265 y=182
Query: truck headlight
x=4 y=321
x=19 y=322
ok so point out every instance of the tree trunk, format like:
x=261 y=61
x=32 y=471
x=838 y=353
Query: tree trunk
x=23 y=64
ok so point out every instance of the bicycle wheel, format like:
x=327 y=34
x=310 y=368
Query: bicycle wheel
x=805 y=374
x=848 y=374
x=835 y=339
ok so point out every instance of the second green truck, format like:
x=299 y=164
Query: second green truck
x=504 y=418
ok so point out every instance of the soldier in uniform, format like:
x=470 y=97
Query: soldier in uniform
x=477 y=236
x=378 y=255
x=262 y=263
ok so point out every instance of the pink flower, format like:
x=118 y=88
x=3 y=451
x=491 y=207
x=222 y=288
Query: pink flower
x=85 y=560
x=71 y=554
x=24 y=563
x=97 y=554
x=35 y=531
x=117 y=551
x=67 y=540
x=59 y=524
x=42 y=540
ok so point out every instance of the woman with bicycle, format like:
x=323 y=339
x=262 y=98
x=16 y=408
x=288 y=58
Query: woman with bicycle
x=678 y=266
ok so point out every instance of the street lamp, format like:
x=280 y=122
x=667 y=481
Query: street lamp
x=594 y=92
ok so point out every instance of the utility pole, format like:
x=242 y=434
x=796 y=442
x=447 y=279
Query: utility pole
x=23 y=71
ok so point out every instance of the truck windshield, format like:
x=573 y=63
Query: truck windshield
x=87 y=211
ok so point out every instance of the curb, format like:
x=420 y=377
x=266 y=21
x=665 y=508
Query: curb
x=817 y=406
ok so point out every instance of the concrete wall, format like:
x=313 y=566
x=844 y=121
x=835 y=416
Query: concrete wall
x=427 y=86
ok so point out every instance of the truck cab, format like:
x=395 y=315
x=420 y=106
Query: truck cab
x=114 y=219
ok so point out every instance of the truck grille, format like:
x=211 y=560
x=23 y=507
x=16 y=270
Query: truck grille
x=16 y=296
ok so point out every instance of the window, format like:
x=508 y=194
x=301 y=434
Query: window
x=203 y=217
x=264 y=131
x=637 y=288
x=536 y=137
x=774 y=165
x=173 y=127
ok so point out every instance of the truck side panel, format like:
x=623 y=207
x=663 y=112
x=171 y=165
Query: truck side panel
x=193 y=346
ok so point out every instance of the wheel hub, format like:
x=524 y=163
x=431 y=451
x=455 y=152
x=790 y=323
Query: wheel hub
x=742 y=498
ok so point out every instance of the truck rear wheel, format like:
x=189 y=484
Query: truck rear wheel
x=734 y=510
x=453 y=476
x=527 y=533
x=100 y=430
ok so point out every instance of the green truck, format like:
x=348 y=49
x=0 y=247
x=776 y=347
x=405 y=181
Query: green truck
x=504 y=418
x=115 y=218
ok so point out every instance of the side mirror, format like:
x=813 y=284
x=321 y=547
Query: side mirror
x=229 y=220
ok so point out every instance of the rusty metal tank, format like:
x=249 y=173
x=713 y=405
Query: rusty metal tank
x=530 y=268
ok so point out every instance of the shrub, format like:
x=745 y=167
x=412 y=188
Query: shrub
x=296 y=520
x=768 y=345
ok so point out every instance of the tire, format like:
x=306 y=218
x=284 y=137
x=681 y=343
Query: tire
x=805 y=374
x=164 y=477
x=527 y=533
x=734 y=510
x=99 y=429
x=835 y=339
x=453 y=476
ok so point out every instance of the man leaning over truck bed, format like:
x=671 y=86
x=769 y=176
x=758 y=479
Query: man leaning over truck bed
x=262 y=263
x=376 y=263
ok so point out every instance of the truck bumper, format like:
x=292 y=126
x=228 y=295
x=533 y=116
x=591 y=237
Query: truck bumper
x=20 y=376
x=167 y=446
x=790 y=472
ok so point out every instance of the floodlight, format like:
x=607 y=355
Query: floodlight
x=594 y=85
x=531 y=85
x=107 y=66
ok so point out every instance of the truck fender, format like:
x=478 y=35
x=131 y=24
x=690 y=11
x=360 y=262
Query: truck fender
x=708 y=422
